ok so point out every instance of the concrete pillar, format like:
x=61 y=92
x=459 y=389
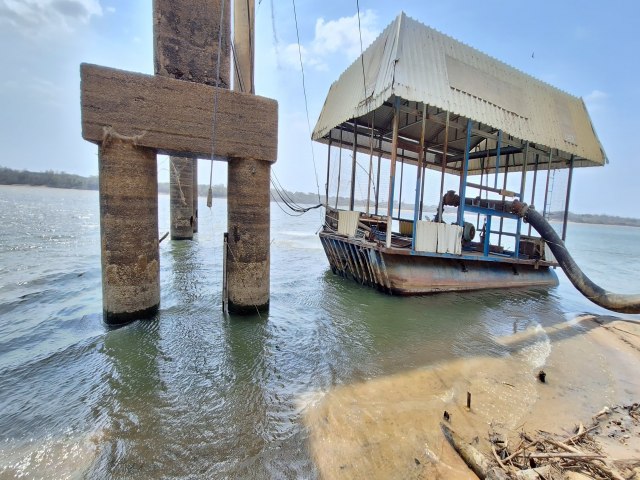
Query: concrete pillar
x=181 y=197
x=248 y=222
x=248 y=202
x=128 y=230
x=185 y=47
x=195 y=195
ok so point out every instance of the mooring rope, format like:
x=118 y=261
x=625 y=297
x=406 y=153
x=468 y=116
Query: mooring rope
x=215 y=105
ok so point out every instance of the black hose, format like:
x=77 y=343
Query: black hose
x=598 y=295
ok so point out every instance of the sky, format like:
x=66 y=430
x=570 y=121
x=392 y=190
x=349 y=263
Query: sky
x=590 y=52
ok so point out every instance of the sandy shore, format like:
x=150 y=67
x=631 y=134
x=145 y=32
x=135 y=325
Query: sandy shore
x=389 y=427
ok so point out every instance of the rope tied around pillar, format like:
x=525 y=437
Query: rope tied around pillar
x=109 y=135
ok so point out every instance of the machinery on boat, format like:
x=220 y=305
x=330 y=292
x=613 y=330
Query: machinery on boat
x=449 y=114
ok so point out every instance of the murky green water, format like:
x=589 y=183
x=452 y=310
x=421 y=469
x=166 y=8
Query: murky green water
x=193 y=393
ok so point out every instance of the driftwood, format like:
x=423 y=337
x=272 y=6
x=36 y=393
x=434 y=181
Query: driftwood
x=545 y=455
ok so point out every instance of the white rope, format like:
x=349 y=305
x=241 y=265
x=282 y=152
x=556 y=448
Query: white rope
x=215 y=105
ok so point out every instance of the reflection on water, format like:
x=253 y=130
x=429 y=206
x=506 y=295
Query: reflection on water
x=195 y=393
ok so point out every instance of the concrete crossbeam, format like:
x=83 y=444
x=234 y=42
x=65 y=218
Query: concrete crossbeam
x=175 y=117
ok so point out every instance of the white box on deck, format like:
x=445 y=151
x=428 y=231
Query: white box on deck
x=426 y=236
x=443 y=237
x=348 y=223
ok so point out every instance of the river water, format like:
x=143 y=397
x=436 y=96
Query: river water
x=193 y=393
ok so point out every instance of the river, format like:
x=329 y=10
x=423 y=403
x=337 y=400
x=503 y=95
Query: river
x=194 y=393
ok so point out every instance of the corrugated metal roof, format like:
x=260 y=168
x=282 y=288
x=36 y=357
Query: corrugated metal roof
x=422 y=66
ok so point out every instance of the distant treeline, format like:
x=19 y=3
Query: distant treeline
x=597 y=219
x=53 y=179
x=47 y=179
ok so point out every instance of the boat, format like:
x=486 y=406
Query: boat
x=434 y=108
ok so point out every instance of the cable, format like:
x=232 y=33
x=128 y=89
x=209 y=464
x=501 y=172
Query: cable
x=306 y=103
x=215 y=105
x=364 y=80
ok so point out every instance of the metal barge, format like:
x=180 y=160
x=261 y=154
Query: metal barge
x=444 y=113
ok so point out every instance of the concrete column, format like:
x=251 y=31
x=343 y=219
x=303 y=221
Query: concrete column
x=185 y=47
x=248 y=202
x=195 y=195
x=248 y=222
x=128 y=230
x=181 y=197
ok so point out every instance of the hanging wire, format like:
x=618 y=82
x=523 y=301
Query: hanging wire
x=286 y=198
x=215 y=105
x=364 y=80
x=306 y=103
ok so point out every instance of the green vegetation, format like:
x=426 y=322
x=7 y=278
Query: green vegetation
x=47 y=179
x=67 y=180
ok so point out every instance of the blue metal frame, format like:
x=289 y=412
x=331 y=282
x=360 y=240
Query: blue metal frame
x=495 y=181
x=487 y=235
x=465 y=173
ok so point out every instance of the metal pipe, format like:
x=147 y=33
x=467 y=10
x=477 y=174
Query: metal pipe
x=463 y=177
x=417 y=214
x=546 y=188
x=504 y=188
x=533 y=187
x=444 y=164
x=566 y=204
x=353 y=165
x=370 y=162
x=326 y=185
x=339 y=169
x=378 y=178
x=498 y=145
x=523 y=182
x=401 y=180
x=392 y=174
x=599 y=296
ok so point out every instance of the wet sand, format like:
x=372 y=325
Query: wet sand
x=389 y=427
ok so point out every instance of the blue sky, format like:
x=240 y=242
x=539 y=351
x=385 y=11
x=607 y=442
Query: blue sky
x=591 y=52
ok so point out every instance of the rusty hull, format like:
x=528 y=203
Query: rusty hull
x=400 y=273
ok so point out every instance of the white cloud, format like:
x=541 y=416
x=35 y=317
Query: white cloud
x=595 y=99
x=42 y=16
x=332 y=37
x=343 y=34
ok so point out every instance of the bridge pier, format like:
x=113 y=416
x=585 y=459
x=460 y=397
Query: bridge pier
x=181 y=197
x=248 y=224
x=128 y=230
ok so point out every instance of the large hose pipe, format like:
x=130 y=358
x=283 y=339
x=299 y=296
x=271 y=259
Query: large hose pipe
x=599 y=296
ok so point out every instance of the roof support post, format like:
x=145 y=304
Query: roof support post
x=444 y=166
x=566 y=203
x=498 y=145
x=417 y=211
x=370 y=164
x=378 y=174
x=339 y=169
x=546 y=188
x=326 y=185
x=504 y=187
x=523 y=182
x=463 y=177
x=401 y=180
x=353 y=165
x=533 y=187
x=392 y=174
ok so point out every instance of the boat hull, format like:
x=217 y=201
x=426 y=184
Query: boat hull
x=410 y=274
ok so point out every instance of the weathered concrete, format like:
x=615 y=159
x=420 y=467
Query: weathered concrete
x=128 y=230
x=181 y=197
x=186 y=48
x=175 y=117
x=195 y=195
x=185 y=37
x=248 y=202
x=248 y=224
